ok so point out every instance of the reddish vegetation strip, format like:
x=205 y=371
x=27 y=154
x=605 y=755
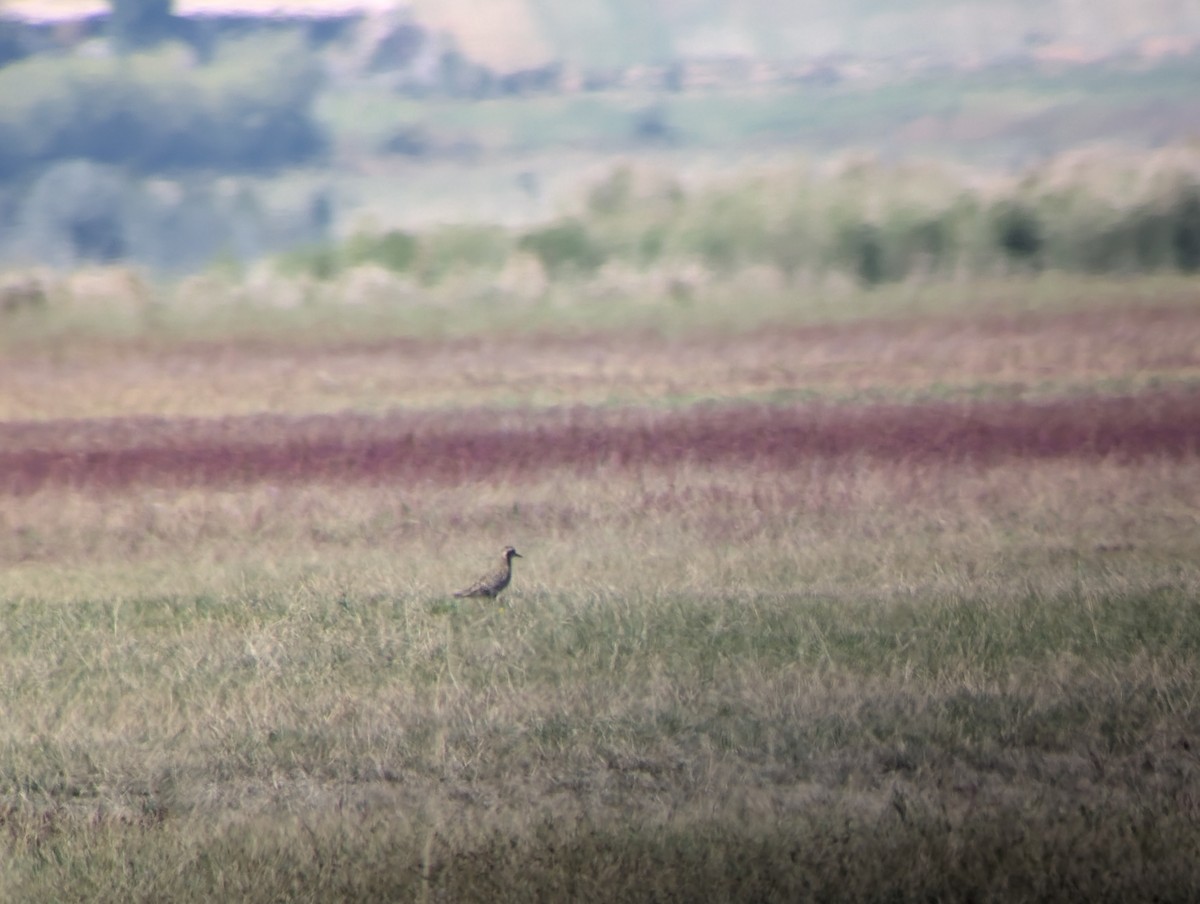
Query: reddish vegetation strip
x=481 y=445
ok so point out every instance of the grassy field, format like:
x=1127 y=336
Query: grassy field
x=206 y=357
x=830 y=607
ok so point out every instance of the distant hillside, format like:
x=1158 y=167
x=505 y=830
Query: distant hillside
x=623 y=32
x=513 y=34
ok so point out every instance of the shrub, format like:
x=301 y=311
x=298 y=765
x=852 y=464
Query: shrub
x=261 y=93
x=860 y=250
x=565 y=247
x=1018 y=233
x=1185 y=230
x=926 y=240
x=650 y=245
x=1150 y=237
x=727 y=229
x=480 y=248
x=75 y=212
x=319 y=260
x=788 y=246
x=395 y=250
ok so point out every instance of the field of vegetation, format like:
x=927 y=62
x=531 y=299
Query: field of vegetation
x=172 y=158
x=881 y=597
x=858 y=495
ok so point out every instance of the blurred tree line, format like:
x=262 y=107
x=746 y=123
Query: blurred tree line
x=882 y=223
x=873 y=223
x=111 y=155
x=249 y=108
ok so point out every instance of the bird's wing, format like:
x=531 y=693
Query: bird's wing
x=481 y=587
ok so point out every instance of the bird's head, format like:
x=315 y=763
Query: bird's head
x=509 y=552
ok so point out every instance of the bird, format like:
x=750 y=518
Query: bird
x=492 y=583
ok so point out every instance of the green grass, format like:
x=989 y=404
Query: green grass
x=270 y=743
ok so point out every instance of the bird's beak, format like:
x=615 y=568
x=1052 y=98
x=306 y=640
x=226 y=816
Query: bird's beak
x=517 y=554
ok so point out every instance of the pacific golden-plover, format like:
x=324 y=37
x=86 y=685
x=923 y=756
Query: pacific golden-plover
x=493 y=582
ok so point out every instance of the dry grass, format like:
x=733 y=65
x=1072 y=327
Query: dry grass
x=969 y=673
x=991 y=668
x=961 y=350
